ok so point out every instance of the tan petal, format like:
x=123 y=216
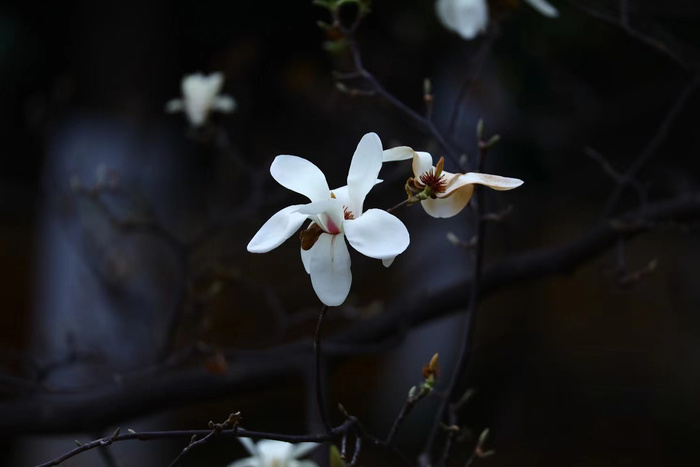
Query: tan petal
x=400 y=153
x=457 y=181
x=451 y=205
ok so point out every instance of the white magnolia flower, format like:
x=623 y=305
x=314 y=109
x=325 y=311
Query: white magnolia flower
x=446 y=194
x=200 y=95
x=270 y=453
x=335 y=215
x=469 y=18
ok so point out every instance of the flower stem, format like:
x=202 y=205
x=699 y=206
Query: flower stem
x=401 y=204
x=320 y=397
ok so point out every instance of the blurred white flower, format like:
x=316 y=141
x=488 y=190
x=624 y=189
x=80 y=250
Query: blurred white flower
x=444 y=194
x=270 y=453
x=335 y=215
x=469 y=18
x=200 y=96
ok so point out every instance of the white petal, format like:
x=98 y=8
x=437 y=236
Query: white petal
x=466 y=17
x=422 y=163
x=492 y=181
x=247 y=462
x=330 y=269
x=364 y=168
x=377 y=234
x=306 y=259
x=277 y=229
x=301 y=176
x=328 y=214
x=249 y=445
x=302 y=449
x=270 y=450
x=400 y=153
x=387 y=262
x=544 y=7
x=448 y=207
x=342 y=195
x=226 y=104
x=174 y=105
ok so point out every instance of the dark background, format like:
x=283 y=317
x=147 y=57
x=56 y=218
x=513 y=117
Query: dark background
x=571 y=370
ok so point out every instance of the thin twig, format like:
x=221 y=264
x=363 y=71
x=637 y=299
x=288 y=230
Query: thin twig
x=320 y=395
x=651 y=148
x=467 y=341
x=239 y=432
x=475 y=68
x=623 y=22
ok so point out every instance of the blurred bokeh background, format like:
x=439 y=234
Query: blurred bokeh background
x=573 y=369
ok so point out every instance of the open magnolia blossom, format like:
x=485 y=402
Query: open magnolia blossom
x=270 y=453
x=335 y=215
x=441 y=193
x=469 y=18
x=200 y=95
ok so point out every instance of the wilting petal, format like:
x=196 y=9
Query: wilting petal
x=301 y=176
x=302 y=449
x=400 y=153
x=330 y=269
x=448 y=207
x=457 y=181
x=364 y=168
x=422 y=163
x=328 y=214
x=277 y=229
x=224 y=104
x=544 y=8
x=377 y=234
x=465 y=17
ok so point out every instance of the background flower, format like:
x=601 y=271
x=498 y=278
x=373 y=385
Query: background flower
x=270 y=453
x=449 y=193
x=200 y=95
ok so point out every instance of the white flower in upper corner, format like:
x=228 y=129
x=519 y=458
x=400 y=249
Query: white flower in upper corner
x=335 y=215
x=444 y=194
x=469 y=18
x=270 y=453
x=200 y=96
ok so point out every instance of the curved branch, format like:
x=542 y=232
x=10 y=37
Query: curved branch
x=99 y=408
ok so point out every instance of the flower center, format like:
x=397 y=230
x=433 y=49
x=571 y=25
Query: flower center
x=435 y=182
x=348 y=213
x=309 y=237
x=434 y=179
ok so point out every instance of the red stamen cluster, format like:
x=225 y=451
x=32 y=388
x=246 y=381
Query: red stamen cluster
x=435 y=182
x=348 y=213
